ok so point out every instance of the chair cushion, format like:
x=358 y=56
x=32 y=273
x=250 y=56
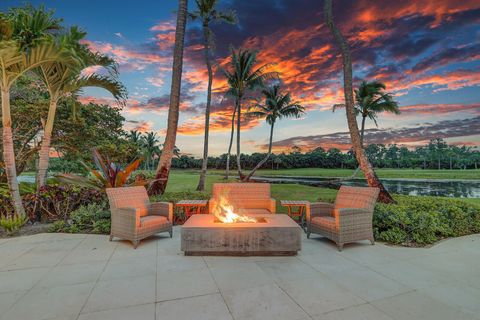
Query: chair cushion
x=153 y=221
x=326 y=222
x=253 y=211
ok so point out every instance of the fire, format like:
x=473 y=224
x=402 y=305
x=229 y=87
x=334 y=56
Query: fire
x=225 y=213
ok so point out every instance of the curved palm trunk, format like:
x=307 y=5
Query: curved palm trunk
x=227 y=171
x=239 y=120
x=365 y=165
x=203 y=173
x=44 y=154
x=260 y=164
x=362 y=132
x=165 y=162
x=9 y=154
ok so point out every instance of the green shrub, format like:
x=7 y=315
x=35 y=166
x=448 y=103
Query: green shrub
x=92 y=218
x=424 y=220
x=12 y=223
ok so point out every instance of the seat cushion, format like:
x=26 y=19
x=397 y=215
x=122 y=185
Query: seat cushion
x=253 y=211
x=153 y=221
x=325 y=222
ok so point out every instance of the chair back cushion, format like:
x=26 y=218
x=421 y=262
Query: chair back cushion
x=356 y=197
x=129 y=197
x=239 y=192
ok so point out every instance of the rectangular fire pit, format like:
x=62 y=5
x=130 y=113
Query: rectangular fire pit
x=271 y=235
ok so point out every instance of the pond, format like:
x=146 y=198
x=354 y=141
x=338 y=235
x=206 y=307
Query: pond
x=413 y=187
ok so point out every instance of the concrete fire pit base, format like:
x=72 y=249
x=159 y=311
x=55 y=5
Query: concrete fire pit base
x=277 y=235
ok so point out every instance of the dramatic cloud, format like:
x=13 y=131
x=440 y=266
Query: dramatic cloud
x=408 y=136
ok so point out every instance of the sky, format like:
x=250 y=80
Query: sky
x=426 y=52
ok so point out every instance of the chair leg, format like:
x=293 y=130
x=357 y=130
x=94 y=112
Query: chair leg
x=372 y=241
x=308 y=234
x=111 y=237
x=340 y=246
x=135 y=244
x=171 y=233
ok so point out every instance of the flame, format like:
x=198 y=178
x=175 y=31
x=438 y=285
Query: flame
x=225 y=212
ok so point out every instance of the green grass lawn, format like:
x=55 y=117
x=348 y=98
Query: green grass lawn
x=382 y=173
x=187 y=181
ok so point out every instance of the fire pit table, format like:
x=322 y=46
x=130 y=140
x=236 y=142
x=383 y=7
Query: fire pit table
x=269 y=235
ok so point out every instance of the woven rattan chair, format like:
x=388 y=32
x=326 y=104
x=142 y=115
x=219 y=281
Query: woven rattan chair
x=349 y=219
x=133 y=216
x=247 y=198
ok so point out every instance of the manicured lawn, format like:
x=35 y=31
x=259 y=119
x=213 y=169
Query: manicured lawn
x=382 y=173
x=187 y=181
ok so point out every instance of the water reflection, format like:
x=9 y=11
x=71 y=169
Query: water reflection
x=443 y=188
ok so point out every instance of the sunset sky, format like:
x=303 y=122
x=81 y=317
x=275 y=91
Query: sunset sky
x=426 y=52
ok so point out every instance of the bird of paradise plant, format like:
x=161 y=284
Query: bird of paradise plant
x=107 y=175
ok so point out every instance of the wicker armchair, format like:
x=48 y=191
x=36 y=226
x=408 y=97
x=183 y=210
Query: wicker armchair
x=133 y=216
x=247 y=198
x=349 y=219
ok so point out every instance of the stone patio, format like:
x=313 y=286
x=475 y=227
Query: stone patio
x=63 y=276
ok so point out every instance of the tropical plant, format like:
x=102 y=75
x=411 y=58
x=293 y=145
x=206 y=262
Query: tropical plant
x=370 y=100
x=12 y=223
x=21 y=50
x=151 y=148
x=242 y=76
x=208 y=13
x=362 y=159
x=62 y=79
x=277 y=105
x=107 y=175
x=165 y=162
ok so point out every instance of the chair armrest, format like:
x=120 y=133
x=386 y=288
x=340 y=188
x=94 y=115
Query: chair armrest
x=273 y=205
x=126 y=218
x=344 y=212
x=319 y=209
x=348 y=217
x=164 y=209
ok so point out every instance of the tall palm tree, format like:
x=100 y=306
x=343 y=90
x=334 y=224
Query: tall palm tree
x=362 y=159
x=243 y=76
x=21 y=50
x=165 y=162
x=62 y=79
x=370 y=100
x=227 y=169
x=151 y=147
x=207 y=13
x=134 y=136
x=277 y=105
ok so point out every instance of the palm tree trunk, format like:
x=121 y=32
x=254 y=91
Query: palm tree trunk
x=362 y=132
x=260 y=164
x=239 y=123
x=163 y=169
x=9 y=154
x=44 y=155
x=365 y=165
x=203 y=173
x=227 y=171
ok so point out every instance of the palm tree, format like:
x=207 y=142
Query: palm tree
x=151 y=147
x=25 y=44
x=207 y=12
x=242 y=77
x=370 y=100
x=276 y=107
x=62 y=79
x=165 y=162
x=135 y=137
x=362 y=159
x=227 y=171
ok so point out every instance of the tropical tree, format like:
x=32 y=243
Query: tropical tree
x=362 y=159
x=370 y=100
x=208 y=13
x=165 y=162
x=277 y=105
x=151 y=147
x=25 y=43
x=227 y=169
x=243 y=76
x=62 y=79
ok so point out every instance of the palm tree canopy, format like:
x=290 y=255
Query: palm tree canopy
x=277 y=106
x=371 y=99
x=244 y=75
x=207 y=12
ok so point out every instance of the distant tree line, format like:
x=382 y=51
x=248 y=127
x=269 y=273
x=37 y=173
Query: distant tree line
x=437 y=154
